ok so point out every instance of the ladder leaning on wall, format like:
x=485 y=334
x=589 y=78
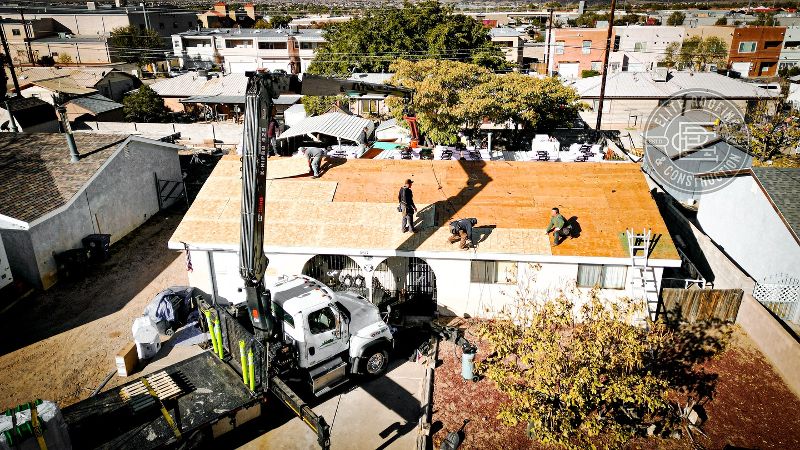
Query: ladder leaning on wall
x=644 y=284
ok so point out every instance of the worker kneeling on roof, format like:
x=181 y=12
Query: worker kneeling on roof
x=461 y=230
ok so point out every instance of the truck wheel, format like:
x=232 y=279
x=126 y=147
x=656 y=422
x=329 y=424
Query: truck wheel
x=375 y=361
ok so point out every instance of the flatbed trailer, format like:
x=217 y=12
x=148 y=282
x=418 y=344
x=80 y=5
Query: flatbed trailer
x=199 y=399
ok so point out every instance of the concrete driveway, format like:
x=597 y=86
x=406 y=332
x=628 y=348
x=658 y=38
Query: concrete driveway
x=380 y=413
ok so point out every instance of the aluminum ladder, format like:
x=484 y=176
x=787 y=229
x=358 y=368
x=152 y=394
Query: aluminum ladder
x=644 y=284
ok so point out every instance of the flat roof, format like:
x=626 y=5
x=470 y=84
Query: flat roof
x=352 y=208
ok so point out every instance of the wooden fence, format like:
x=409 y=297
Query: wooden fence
x=693 y=305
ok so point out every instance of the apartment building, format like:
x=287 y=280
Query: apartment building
x=222 y=17
x=574 y=50
x=790 y=52
x=510 y=41
x=241 y=50
x=638 y=48
x=755 y=51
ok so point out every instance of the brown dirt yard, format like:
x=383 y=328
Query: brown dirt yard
x=752 y=408
x=59 y=344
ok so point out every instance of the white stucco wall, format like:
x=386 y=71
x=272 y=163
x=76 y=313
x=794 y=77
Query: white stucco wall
x=456 y=294
x=741 y=220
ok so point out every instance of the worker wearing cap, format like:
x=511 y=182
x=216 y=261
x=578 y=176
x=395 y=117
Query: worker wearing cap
x=557 y=226
x=407 y=207
x=461 y=230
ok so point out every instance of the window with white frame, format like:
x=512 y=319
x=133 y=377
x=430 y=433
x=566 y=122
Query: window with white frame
x=747 y=47
x=640 y=47
x=596 y=65
x=586 y=47
x=559 y=47
x=494 y=272
x=602 y=276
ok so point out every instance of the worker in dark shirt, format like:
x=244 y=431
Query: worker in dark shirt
x=558 y=226
x=272 y=133
x=461 y=230
x=407 y=207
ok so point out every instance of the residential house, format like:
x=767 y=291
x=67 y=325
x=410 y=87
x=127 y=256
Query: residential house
x=370 y=105
x=317 y=21
x=354 y=231
x=391 y=131
x=575 y=50
x=679 y=153
x=30 y=115
x=631 y=97
x=94 y=107
x=790 y=52
x=221 y=17
x=510 y=41
x=706 y=31
x=43 y=82
x=638 y=48
x=50 y=204
x=241 y=50
x=755 y=219
x=755 y=51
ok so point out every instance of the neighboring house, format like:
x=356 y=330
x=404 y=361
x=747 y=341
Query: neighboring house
x=755 y=51
x=755 y=219
x=677 y=155
x=370 y=105
x=790 y=53
x=573 y=50
x=44 y=81
x=74 y=49
x=638 y=48
x=723 y=32
x=346 y=225
x=94 y=19
x=240 y=50
x=510 y=41
x=94 y=107
x=50 y=204
x=391 y=131
x=30 y=115
x=221 y=17
x=631 y=97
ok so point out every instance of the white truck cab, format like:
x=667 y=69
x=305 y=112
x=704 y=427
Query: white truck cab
x=334 y=333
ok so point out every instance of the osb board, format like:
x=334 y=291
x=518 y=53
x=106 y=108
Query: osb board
x=514 y=198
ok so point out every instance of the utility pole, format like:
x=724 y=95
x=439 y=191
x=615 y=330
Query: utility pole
x=27 y=37
x=548 y=49
x=8 y=59
x=605 y=66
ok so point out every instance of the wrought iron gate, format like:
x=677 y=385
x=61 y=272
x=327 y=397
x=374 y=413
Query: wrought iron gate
x=405 y=280
x=339 y=272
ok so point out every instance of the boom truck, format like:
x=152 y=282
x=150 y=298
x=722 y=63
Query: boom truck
x=297 y=331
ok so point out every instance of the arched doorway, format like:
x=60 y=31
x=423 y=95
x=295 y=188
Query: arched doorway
x=339 y=272
x=409 y=281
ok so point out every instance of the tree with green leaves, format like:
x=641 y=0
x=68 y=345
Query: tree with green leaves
x=371 y=42
x=578 y=376
x=676 y=19
x=135 y=45
x=764 y=20
x=696 y=53
x=280 y=21
x=316 y=105
x=144 y=105
x=769 y=130
x=262 y=24
x=722 y=21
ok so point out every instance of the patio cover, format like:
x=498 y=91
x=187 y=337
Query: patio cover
x=334 y=124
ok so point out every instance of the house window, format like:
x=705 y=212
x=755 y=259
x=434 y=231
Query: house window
x=747 y=47
x=54 y=54
x=586 y=47
x=559 y=47
x=616 y=43
x=605 y=277
x=596 y=65
x=272 y=45
x=491 y=272
x=640 y=47
x=15 y=32
x=306 y=46
x=238 y=43
x=321 y=321
x=772 y=45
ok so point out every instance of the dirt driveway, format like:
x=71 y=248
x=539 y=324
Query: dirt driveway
x=60 y=344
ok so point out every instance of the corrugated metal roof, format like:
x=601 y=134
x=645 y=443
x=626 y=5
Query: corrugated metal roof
x=184 y=85
x=642 y=85
x=334 y=124
x=96 y=103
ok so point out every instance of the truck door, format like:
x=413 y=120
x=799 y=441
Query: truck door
x=326 y=335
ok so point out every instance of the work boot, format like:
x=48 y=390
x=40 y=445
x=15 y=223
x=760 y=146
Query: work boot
x=466 y=245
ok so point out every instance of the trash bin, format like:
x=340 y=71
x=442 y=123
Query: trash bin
x=145 y=335
x=99 y=247
x=71 y=264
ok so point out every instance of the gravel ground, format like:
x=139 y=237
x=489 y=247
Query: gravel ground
x=60 y=344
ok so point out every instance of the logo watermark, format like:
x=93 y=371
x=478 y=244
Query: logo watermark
x=683 y=144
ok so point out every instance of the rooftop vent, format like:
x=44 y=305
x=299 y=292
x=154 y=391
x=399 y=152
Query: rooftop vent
x=660 y=74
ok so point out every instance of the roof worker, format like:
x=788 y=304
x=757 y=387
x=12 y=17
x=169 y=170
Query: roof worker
x=407 y=207
x=362 y=139
x=314 y=155
x=273 y=130
x=558 y=225
x=461 y=230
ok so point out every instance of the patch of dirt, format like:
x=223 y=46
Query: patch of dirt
x=751 y=406
x=59 y=344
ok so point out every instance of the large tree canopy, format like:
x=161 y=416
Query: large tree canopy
x=131 y=44
x=371 y=43
x=696 y=53
x=144 y=105
x=451 y=96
